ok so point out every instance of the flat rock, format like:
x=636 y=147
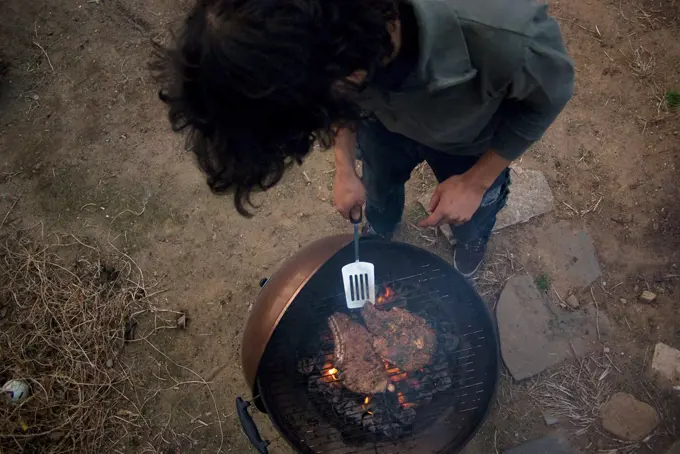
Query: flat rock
x=545 y=445
x=628 y=418
x=568 y=256
x=665 y=366
x=530 y=196
x=535 y=334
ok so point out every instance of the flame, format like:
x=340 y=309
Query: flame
x=329 y=373
x=367 y=400
x=387 y=296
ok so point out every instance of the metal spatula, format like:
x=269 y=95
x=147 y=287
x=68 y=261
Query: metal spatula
x=358 y=277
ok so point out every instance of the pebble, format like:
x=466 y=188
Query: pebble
x=623 y=301
x=572 y=302
x=647 y=297
x=550 y=420
x=109 y=363
x=607 y=349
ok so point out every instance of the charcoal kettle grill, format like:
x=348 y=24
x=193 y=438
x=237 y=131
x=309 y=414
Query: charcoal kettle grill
x=287 y=355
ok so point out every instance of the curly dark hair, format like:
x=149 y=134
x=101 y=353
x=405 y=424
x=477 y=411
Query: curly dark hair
x=252 y=81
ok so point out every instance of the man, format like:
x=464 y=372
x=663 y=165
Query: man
x=466 y=85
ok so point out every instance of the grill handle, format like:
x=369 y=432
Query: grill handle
x=249 y=426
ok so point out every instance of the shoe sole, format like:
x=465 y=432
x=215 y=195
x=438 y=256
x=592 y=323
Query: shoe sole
x=465 y=275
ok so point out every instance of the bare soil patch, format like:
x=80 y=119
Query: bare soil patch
x=86 y=150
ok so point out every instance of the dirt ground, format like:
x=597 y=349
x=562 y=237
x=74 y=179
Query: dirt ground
x=86 y=149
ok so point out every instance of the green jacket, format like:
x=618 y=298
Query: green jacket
x=492 y=74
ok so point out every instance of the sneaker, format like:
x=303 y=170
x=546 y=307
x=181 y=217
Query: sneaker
x=368 y=230
x=468 y=256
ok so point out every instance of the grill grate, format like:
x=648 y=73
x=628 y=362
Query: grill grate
x=429 y=410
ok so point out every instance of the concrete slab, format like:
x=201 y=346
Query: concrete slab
x=530 y=196
x=568 y=256
x=535 y=334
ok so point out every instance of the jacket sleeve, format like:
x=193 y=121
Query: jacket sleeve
x=538 y=91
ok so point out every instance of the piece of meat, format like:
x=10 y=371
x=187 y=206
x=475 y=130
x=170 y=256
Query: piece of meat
x=361 y=369
x=400 y=337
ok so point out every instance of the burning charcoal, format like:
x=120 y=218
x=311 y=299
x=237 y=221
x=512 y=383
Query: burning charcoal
x=367 y=421
x=392 y=430
x=306 y=366
x=313 y=384
x=451 y=342
x=443 y=384
x=441 y=366
x=406 y=416
x=402 y=338
x=362 y=369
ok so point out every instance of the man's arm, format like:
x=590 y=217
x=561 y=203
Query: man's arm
x=538 y=91
x=348 y=190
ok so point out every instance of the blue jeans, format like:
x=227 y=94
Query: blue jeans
x=388 y=160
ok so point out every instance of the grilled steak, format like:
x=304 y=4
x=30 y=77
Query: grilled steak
x=361 y=369
x=402 y=338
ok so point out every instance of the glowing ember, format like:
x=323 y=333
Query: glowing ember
x=332 y=371
x=403 y=402
x=387 y=296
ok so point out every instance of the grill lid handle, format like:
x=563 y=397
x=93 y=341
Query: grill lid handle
x=249 y=426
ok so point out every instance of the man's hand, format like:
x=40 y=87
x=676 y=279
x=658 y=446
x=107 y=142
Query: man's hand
x=457 y=199
x=348 y=192
x=454 y=201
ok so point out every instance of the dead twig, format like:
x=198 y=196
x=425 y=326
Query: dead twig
x=597 y=314
x=45 y=53
x=571 y=208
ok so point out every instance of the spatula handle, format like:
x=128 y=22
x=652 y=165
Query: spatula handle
x=356 y=220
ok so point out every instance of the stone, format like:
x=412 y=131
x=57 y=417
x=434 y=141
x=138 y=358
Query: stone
x=530 y=196
x=572 y=302
x=674 y=449
x=550 y=420
x=567 y=254
x=665 y=366
x=109 y=363
x=535 y=334
x=628 y=418
x=647 y=297
x=545 y=445
x=623 y=301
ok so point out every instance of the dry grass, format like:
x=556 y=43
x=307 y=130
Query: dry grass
x=65 y=318
x=498 y=268
x=575 y=392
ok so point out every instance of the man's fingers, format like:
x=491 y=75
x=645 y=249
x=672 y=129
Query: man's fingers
x=432 y=220
x=434 y=201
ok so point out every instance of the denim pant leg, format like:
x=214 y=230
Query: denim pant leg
x=388 y=160
x=482 y=222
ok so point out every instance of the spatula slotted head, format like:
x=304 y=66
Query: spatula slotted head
x=359 y=281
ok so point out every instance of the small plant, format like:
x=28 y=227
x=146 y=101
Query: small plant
x=543 y=282
x=672 y=99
